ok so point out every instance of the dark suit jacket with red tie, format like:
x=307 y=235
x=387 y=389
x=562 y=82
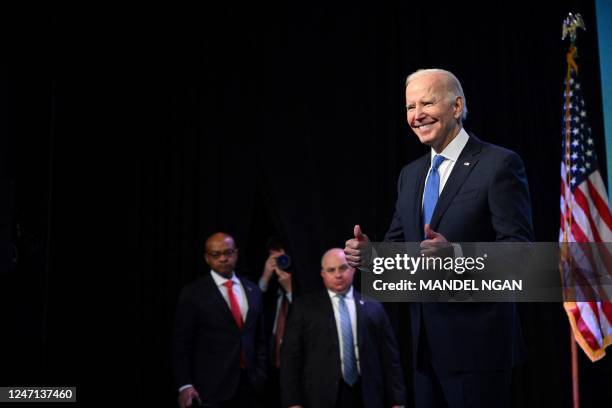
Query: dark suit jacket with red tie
x=207 y=341
x=310 y=355
x=485 y=199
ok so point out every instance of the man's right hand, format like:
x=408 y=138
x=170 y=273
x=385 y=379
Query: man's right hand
x=352 y=248
x=269 y=268
x=187 y=396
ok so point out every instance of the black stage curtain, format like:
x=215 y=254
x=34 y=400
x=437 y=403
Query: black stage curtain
x=133 y=134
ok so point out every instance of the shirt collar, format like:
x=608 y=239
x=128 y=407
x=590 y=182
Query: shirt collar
x=348 y=295
x=220 y=280
x=454 y=148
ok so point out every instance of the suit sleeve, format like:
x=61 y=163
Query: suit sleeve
x=509 y=201
x=396 y=231
x=182 y=347
x=395 y=392
x=292 y=358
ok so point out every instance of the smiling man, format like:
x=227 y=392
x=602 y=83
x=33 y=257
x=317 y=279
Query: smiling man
x=435 y=107
x=462 y=190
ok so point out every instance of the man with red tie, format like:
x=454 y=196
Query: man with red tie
x=219 y=351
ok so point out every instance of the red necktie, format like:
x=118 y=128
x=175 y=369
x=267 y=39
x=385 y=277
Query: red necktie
x=280 y=327
x=234 y=305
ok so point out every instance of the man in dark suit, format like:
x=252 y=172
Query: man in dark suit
x=463 y=190
x=339 y=349
x=219 y=351
x=277 y=298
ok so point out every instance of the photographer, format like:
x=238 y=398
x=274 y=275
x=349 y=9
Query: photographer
x=275 y=283
x=278 y=260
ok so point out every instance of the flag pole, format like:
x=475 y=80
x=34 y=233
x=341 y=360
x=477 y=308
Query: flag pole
x=570 y=28
x=575 y=384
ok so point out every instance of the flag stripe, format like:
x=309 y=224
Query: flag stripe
x=584 y=329
x=607 y=311
x=602 y=213
x=584 y=218
x=581 y=200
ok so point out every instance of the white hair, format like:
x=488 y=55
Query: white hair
x=453 y=86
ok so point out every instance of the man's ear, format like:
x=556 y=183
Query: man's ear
x=458 y=107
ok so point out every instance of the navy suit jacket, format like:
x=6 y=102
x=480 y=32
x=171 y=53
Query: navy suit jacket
x=310 y=357
x=208 y=343
x=485 y=199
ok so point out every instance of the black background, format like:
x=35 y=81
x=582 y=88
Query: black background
x=128 y=136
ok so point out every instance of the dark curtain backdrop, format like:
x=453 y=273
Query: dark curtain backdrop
x=131 y=135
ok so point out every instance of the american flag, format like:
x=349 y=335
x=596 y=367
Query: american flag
x=585 y=215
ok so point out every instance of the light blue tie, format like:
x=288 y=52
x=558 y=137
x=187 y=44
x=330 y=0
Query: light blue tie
x=350 y=373
x=432 y=189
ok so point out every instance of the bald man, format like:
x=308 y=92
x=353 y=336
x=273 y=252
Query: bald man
x=339 y=349
x=219 y=352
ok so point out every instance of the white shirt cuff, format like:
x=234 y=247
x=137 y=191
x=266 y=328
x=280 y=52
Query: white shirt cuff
x=263 y=285
x=457 y=250
x=184 y=387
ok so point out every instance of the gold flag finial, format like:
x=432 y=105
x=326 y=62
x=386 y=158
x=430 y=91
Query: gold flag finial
x=570 y=26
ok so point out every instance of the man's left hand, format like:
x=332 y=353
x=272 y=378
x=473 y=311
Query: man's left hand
x=435 y=244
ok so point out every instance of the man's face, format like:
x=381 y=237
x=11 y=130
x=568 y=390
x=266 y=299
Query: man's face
x=221 y=254
x=336 y=273
x=431 y=114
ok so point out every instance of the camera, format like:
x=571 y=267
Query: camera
x=283 y=261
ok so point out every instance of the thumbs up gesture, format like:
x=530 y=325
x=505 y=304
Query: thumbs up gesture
x=435 y=244
x=352 y=248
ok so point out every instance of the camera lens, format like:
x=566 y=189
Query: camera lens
x=283 y=261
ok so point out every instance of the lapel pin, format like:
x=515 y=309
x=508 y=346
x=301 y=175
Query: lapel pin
x=361 y=302
x=466 y=163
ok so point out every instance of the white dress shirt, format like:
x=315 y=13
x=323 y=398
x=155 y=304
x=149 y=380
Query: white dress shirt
x=239 y=293
x=349 y=299
x=237 y=288
x=451 y=153
x=263 y=286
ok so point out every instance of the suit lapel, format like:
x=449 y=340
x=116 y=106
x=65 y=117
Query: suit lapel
x=218 y=301
x=326 y=304
x=327 y=309
x=417 y=199
x=360 y=317
x=463 y=167
x=251 y=300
